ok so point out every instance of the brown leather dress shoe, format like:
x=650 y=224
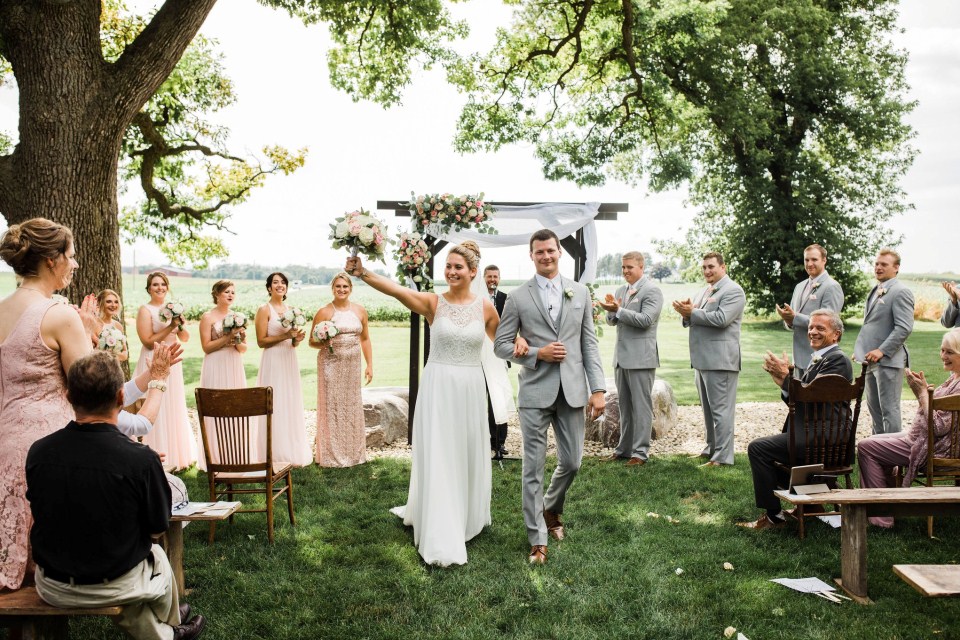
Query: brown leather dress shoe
x=711 y=463
x=612 y=458
x=554 y=525
x=184 y=612
x=763 y=522
x=191 y=629
x=538 y=554
x=636 y=462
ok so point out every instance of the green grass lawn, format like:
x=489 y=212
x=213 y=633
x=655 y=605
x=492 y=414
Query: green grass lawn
x=349 y=569
x=391 y=341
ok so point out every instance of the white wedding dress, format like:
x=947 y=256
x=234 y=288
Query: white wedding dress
x=449 y=498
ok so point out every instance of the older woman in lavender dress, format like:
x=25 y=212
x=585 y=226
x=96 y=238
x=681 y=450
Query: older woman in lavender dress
x=879 y=454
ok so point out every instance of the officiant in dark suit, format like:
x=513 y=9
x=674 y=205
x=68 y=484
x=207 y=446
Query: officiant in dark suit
x=824 y=332
x=498 y=431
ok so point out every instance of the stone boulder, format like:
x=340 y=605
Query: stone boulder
x=606 y=429
x=386 y=408
x=375 y=438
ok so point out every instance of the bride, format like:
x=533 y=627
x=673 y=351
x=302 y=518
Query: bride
x=449 y=497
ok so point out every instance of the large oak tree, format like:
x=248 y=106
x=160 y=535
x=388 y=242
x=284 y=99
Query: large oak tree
x=76 y=103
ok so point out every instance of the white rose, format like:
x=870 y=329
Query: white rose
x=342 y=230
x=366 y=235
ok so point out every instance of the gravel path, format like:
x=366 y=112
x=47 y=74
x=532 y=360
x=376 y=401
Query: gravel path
x=754 y=419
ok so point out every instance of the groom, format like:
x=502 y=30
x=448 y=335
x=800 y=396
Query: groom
x=554 y=316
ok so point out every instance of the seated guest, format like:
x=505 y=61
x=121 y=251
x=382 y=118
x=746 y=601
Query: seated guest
x=879 y=454
x=824 y=332
x=97 y=497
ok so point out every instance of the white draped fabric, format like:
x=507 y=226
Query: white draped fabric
x=514 y=226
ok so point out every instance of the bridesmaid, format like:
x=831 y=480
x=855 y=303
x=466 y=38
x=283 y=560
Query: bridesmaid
x=341 y=433
x=172 y=435
x=222 y=353
x=279 y=369
x=109 y=302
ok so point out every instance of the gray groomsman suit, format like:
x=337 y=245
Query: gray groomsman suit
x=635 y=362
x=822 y=293
x=715 y=356
x=887 y=322
x=951 y=315
x=551 y=392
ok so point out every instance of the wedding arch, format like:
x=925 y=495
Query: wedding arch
x=574 y=224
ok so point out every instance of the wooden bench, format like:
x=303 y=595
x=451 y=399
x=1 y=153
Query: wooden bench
x=933 y=580
x=856 y=505
x=24 y=612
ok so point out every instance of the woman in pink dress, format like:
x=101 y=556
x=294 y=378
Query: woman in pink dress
x=341 y=432
x=109 y=302
x=279 y=369
x=172 y=435
x=222 y=352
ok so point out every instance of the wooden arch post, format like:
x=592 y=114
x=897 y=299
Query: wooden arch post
x=573 y=245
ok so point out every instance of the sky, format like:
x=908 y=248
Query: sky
x=360 y=153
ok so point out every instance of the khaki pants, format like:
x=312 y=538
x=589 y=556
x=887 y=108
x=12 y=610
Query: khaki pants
x=147 y=593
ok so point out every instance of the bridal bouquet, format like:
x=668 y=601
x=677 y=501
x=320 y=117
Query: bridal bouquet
x=412 y=255
x=171 y=311
x=293 y=318
x=234 y=320
x=360 y=232
x=111 y=339
x=446 y=212
x=324 y=331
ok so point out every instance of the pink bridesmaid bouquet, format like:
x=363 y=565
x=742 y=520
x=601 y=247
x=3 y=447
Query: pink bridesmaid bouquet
x=112 y=340
x=324 y=331
x=293 y=318
x=171 y=311
x=234 y=320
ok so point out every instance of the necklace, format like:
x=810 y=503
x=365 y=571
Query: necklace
x=44 y=293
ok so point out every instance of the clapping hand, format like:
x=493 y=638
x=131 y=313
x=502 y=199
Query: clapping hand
x=777 y=367
x=918 y=384
x=89 y=312
x=787 y=313
x=952 y=291
x=165 y=355
x=683 y=307
x=609 y=303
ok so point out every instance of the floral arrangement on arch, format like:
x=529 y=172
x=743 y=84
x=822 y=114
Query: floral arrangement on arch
x=412 y=256
x=598 y=316
x=451 y=213
x=361 y=233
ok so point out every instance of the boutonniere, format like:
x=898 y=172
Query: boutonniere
x=568 y=292
x=816 y=359
x=713 y=290
x=881 y=292
x=631 y=291
x=816 y=285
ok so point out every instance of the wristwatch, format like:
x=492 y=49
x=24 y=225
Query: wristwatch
x=160 y=385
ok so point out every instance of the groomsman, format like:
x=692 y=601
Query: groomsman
x=818 y=291
x=951 y=314
x=887 y=322
x=635 y=312
x=498 y=431
x=714 y=322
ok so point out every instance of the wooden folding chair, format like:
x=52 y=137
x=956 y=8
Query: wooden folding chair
x=831 y=409
x=945 y=467
x=231 y=448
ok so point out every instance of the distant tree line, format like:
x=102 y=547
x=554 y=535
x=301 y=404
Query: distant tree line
x=608 y=267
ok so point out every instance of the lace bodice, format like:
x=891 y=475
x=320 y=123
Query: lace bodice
x=456 y=334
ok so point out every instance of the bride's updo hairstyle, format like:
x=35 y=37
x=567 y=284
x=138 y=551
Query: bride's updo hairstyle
x=469 y=251
x=26 y=245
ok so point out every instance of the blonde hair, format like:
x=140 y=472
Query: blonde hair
x=102 y=297
x=24 y=246
x=887 y=251
x=342 y=275
x=636 y=256
x=469 y=251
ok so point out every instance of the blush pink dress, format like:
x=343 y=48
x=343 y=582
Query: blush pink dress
x=341 y=431
x=172 y=434
x=222 y=369
x=33 y=404
x=279 y=369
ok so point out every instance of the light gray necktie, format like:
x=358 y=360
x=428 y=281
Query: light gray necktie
x=554 y=305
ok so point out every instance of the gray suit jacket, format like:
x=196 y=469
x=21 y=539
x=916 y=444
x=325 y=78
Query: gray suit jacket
x=541 y=381
x=636 y=346
x=886 y=325
x=827 y=295
x=951 y=315
x=715 y=327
